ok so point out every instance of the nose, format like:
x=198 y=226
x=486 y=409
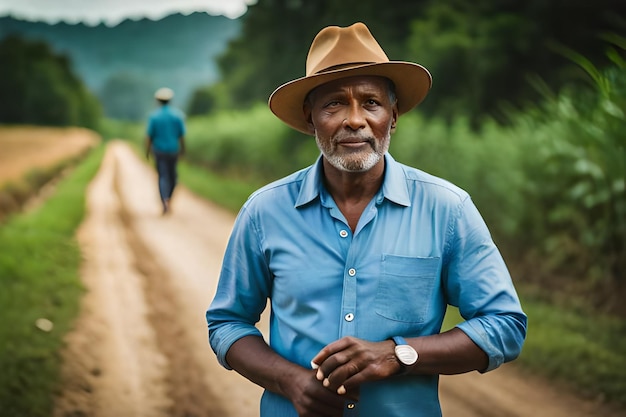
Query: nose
x=354 y=117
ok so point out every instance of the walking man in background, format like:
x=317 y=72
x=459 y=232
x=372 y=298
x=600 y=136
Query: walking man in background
x=165 y=138
x=359 y=256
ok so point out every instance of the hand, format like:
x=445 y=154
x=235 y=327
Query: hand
x=349 y=362
x=311 y=399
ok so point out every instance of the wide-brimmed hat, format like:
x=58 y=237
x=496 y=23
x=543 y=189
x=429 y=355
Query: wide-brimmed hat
x=164 y=94
x=338 y=52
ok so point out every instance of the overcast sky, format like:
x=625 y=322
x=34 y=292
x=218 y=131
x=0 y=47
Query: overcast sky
x=111 y=12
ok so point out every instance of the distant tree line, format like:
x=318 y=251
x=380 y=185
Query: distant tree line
x=38 y=86
x=482 y=53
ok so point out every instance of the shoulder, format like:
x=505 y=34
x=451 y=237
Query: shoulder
x=422 y=185
x=281 y=193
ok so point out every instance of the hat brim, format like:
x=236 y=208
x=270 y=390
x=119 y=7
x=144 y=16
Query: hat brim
x=412 y=82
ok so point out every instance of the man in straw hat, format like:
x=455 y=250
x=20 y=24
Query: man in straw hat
x=359 y=256
x=165 y=138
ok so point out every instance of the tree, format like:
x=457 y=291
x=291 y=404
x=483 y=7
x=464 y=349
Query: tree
x=38 y=86
x=483 y=53
x=276 y=35
x=203 y=101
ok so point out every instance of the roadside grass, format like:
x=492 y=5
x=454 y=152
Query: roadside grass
x=582 y=351
x=585 y=351
x=39 y=278
x=226 y=192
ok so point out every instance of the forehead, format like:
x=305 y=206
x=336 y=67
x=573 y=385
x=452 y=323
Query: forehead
x=366 y=83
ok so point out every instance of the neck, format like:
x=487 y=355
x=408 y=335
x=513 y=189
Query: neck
x=352 y=191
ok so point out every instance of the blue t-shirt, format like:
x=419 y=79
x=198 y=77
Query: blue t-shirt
x=165 y=127
x=419 y=246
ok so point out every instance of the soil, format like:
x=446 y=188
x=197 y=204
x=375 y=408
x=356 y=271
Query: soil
x=25 y=148
x=139 y=347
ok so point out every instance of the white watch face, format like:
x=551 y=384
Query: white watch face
x=406 y=354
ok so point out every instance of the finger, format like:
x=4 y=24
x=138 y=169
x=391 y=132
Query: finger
x=330 y=350
x=333 y=366
x=340 y=375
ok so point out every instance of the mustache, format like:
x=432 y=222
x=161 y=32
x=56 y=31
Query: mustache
x=347 y=138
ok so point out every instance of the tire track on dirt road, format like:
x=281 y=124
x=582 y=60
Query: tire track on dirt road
x=140 y=346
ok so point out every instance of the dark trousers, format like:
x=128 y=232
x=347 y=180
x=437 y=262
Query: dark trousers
x=168 y=176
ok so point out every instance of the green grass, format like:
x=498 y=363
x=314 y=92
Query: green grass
x=39 y=278
x=586 y=352
x=228 y=193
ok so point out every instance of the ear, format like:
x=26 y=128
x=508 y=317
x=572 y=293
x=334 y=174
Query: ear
x=394 y=117
x=309 y=120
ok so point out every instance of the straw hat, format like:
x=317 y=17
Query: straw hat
x=338 y=52
x=164 y=94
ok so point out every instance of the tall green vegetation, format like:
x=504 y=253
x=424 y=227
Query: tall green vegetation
x=38 y=86
x=577 y=179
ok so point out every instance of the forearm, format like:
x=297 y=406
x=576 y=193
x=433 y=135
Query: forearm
x=255 y=360
x=451 y=352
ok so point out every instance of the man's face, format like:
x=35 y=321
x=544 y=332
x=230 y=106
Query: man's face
x=353 y=119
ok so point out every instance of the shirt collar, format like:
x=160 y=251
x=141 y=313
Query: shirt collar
x=394 y=186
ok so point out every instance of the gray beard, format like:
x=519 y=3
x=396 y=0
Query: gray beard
x=348 y=163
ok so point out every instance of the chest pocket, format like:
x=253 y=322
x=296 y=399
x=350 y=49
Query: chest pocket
x=406 y=286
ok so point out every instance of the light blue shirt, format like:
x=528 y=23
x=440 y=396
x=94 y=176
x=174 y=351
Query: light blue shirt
x=165 y=127
x=419 y=245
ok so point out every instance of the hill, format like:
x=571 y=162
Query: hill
x=178 y=51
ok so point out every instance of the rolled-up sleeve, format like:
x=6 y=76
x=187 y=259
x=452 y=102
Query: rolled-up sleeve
x=479 y=284
x=242 y=291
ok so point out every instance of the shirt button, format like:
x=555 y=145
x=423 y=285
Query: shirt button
x=343 y=233
x=349 y=317
x=352 y=272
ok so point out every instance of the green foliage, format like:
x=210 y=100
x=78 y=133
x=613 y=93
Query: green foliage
x=486 y=164
x=39 y=264
x=577 y=181
x=583 y=350
x=228 y=192
x=203 y=101
x=252 y=144
x=39 y=87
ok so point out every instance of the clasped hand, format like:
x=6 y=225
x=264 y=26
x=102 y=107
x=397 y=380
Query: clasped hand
x=341 y=367
x=347 y=363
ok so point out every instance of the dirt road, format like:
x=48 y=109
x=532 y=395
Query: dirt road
x=140 y=345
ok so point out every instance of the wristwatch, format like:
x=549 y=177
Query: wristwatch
x=406 y=355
